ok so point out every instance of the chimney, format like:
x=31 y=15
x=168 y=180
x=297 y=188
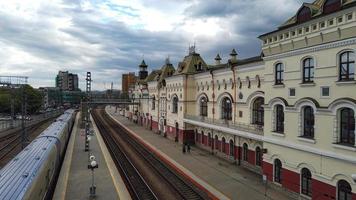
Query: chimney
x=233 y=55
x=217 y=59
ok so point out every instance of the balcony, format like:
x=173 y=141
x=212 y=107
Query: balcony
x=251 y=128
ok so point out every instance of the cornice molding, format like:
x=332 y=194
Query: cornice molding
x=330 y=45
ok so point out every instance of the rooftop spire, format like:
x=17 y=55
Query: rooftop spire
x=233 y=53
x=217 y=59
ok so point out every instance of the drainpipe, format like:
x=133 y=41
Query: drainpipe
x=158 y=107
x=185 y=104
x=234 y=84
x=239 y=152
x=212 y=77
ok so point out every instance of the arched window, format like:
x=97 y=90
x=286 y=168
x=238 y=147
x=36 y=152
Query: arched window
x=331 y=6
x=257 y=111
x=277 y=171
x=175 y=104
x=203 y=107
x=258 y=156
x=304 y=14
x=344 y=191
x=248 y=82
x=347 y=126
x=347 y=66
x=279 y=71
x=223 y=146
x=279 y=119
x=226 y=108
x=153 y=102
x=306 y=182
x=231 y=148
x=308 y=122
x=216 y=142
x=308 y=70
x=245 y=151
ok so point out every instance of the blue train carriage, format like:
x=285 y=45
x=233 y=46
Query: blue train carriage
x=32 y=173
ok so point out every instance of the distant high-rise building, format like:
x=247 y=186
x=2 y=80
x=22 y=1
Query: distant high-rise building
x=128 y=80
x=67 y=81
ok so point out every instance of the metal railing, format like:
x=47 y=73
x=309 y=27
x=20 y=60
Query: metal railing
x=34 y=119
x=252 y=128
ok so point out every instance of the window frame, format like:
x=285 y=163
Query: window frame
x=226 y=108
x=258 y=156
x=346 y=190
x=309 y=67
x=245 y=152
x=203 y=106
x=279 y=122
x=306 y=182
x=175 y=101
x=350 y=60
x=350 y=123
x=277 y=171
x=279 y=73
x=308 y=122
x=258 y=111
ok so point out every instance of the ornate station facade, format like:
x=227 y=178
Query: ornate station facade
x=288 y=114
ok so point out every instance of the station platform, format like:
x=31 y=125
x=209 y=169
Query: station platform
x=222 y=178
x=75 y=178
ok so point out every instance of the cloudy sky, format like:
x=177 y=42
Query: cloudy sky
x=109 y=37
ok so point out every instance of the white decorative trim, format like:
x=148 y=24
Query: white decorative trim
x=338 y=146
x=312 y=141
x=278 y=134
x=331 y=45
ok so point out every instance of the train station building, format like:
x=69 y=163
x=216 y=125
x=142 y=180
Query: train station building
x=287 y=114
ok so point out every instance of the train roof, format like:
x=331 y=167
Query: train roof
x=16 y=177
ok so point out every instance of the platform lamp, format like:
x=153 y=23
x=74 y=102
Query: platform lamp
x=92 y=165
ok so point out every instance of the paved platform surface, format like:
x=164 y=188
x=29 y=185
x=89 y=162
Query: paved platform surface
x=75 y=177
x=231 y=180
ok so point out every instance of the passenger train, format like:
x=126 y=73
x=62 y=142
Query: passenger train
x=33 y=172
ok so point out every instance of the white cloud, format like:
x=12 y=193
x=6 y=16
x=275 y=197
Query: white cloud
x=40 y=37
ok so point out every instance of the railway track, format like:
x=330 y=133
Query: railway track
x=9 y=143
x=126 y=151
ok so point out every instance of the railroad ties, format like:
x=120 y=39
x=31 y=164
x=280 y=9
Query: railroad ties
x=140 y=187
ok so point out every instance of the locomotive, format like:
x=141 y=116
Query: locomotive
x=33 y=172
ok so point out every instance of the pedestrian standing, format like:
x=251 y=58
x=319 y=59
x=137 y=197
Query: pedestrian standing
x=183 y=147
x=188 y=147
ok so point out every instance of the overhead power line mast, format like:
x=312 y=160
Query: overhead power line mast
x=13 y=82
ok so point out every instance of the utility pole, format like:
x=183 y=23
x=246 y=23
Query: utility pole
x=87 y=111
x=18 y=82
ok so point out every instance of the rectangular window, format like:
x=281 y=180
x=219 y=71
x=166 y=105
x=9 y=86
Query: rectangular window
x=339 y=20
x=331 y=22
x=322 y=24
x=293 y=33
x=292 y=92
x=315 y=27
x=287 y=35
x=240 y=114
x=349 y=16
x=325 y=91
x=307 y=29
x=300 y=31
x=281 y=37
